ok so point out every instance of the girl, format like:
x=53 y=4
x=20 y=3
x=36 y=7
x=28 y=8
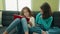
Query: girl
x=21 y=24
x=43 y=20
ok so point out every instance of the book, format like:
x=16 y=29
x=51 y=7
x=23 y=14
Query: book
x=19 y=16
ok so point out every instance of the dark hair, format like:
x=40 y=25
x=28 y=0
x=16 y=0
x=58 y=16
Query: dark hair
x=22 y=13
x=46 y=10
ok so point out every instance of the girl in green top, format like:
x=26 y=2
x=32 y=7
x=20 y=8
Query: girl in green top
x=43 y=20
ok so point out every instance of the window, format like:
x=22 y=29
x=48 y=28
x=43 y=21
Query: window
x=17 y=5
x=23 y=3
x=11 y=5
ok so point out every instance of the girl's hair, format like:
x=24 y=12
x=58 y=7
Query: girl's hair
x=46 y=10
x=22 y=12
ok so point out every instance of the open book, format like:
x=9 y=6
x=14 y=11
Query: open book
x=19 y=16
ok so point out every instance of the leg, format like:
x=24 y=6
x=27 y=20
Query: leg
x=19 y=29
x=35 y=29
x=25 y=25
x=13 y=25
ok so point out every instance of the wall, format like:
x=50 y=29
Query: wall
x=37 y=3
x=59 y=5
x=1 y=4
x=1 y=8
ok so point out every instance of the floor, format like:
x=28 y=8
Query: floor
x=2 y=29
x=51 y=31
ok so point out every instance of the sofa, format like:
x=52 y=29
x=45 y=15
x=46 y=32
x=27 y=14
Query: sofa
x=7 y=18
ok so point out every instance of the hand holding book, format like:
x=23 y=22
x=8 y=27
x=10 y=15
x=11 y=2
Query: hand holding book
x=19 y=16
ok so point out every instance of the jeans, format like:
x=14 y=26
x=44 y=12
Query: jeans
x=38 y=29
x=35 y=29
x=20 y=24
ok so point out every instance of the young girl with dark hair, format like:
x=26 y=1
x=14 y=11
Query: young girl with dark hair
x=43 y=20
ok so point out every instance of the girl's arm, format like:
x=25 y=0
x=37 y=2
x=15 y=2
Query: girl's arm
x=32 y=21
x=48 y=23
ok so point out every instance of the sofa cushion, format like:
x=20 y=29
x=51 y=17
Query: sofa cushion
x=54 y=30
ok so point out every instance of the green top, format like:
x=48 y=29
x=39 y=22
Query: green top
x=45 y=22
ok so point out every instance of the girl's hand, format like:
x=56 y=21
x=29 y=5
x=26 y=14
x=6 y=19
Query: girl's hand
x=5 y=32
x=44 y=32
x=30 y=23
x=28 y=19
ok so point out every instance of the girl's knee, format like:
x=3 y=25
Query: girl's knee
x=23 y=19
x=17 y=19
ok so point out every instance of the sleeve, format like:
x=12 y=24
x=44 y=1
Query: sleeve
x=37 y=17
x=32 y=21
x=48 y=23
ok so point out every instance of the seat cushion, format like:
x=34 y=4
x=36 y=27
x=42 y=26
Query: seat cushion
x=54 y=30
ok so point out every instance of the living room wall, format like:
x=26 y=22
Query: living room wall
x=37 y=3
x=1 y=4
x=1 y=8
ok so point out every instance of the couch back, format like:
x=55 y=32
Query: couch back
x=56 y=19
x=7 y=17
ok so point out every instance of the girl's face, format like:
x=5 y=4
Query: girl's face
x=26 y=13
x=41 y=11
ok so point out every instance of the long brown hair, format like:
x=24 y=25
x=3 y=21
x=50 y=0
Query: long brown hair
x=46 y=10
x=22 y=12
